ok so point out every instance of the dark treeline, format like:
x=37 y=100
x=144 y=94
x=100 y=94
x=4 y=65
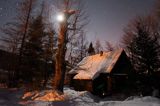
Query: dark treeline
x=26 y=37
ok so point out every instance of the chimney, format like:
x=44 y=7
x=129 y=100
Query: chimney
x=101 y=53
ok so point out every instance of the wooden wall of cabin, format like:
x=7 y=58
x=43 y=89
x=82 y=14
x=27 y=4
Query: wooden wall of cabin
x=123 y=65
x=102 y=84
x=119 y=82
x=82 y=85
x=69 y=79
x=121 y=73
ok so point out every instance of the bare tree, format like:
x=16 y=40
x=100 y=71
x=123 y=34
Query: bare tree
x=66 y=28
x=11 y=40
x=79 y=51
x=83 y=46
x=76 y=30
x=109 y=46
x=61 y=51
x=98 y=46
x=149 y=23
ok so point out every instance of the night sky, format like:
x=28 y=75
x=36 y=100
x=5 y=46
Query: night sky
x=107 y=17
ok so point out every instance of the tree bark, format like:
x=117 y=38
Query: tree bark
x=60 y=58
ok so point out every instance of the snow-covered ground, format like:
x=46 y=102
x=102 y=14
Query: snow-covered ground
x=12 y=97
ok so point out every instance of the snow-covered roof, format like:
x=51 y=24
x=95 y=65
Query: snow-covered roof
x=91 y=66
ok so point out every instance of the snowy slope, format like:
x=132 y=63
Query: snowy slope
x=10 y=97
x=85 y=98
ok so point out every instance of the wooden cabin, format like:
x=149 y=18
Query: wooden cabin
x=101 y=73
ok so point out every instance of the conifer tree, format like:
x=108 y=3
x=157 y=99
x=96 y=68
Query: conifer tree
x=143 y=47
x=33 y=48
x=91 y=50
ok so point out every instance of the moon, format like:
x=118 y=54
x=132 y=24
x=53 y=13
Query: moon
x=60 y=17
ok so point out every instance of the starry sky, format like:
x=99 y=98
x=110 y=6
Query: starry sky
x=107 y=17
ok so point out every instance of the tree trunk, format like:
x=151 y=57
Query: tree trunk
x=60 y=58
x=23 y=40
